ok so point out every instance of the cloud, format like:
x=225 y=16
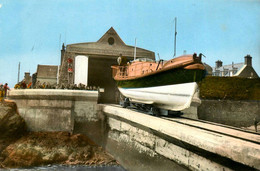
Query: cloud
x=1 y=5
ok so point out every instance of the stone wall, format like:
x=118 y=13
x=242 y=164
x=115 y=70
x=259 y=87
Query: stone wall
x=248 y=72
x=128 y=131
x=54 y=110
x=50 y=81
x=234 y=113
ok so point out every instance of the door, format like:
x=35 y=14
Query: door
x=81 y=70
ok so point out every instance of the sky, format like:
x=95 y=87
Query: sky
x=32 y=31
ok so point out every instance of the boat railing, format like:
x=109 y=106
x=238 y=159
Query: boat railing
x=123 y=71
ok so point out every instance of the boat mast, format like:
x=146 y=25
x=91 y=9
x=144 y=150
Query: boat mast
x=135 y=50
x=175 y=34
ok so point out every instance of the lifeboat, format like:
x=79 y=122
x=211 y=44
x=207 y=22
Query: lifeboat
x=170 y=85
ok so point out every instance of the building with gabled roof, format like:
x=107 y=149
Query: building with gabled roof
x=47 y=74
x=90 y=63
x=245 y=69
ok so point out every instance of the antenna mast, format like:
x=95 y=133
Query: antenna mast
x=175 y=34
x=18 y=72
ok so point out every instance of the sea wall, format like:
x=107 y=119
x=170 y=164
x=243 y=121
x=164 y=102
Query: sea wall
x=138 y=141
x=134 y=137
x=54 y=110
x=230 y=112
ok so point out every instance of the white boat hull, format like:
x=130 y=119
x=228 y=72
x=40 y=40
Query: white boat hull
x=170 y=97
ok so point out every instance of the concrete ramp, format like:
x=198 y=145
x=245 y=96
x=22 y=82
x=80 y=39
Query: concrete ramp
x=197 y=145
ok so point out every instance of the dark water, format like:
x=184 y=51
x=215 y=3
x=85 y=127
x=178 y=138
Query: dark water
x=72 y=168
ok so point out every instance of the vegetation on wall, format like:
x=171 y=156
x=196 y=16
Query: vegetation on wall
x=230 y=88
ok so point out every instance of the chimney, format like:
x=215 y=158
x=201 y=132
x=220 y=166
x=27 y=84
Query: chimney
x=218 y=63
x=248 y=60
x=27 y=77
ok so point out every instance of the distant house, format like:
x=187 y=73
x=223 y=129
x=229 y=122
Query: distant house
x=47 y=74
x=27 y=78
x=235 y=70
x=208 y=69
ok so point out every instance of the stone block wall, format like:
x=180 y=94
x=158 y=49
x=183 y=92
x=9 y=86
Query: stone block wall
x=54 y=110
x=163 y=140
x=234 y=113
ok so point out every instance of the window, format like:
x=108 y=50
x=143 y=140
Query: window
x=217 y=73
x=111 y=41
x=225 y=72
x=234 y=71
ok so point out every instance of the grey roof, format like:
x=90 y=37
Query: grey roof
x=102 y=47
x=229 y=67
x=237 y=67
x=208 y=68
x=47 y=71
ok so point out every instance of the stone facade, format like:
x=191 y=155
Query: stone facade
x=101 y=55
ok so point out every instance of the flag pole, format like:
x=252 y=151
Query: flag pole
x=135 y=50
x=18 y=72
x=175 y=34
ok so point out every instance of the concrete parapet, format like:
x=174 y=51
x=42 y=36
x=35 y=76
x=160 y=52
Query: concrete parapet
x=54 y=110
x=196 y=148
x=56 y=94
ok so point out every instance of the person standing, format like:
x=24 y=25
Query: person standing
x=23 y=85
x=1 y=91
x=6 y=88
